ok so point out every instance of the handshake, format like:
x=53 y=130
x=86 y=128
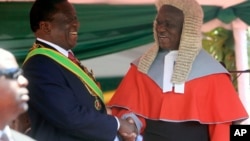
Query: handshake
x=128 y=130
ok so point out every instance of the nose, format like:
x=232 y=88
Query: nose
x=22 y=81
x=77 y=24
x=160 y=28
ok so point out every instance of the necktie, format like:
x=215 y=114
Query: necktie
x=4 y=137
x=76 y=61
x=73 y=58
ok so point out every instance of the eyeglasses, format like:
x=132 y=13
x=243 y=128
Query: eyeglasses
x=12 y=73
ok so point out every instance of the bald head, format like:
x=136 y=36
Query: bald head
x=13 y=91
x=7 y=60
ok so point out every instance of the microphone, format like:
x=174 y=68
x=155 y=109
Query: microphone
x=240 y=71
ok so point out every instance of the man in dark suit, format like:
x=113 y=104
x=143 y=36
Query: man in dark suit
x=13 y=96
x=66 y=103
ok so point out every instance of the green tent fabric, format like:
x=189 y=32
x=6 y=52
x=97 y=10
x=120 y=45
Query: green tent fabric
x=104 y=28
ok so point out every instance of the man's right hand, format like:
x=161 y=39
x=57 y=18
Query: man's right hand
x=127 y=130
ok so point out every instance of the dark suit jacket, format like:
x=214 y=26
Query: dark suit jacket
x=60 y=106
x=17 y=136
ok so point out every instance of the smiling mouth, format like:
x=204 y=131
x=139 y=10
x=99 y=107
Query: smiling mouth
x=162 y=36
x=73 y=33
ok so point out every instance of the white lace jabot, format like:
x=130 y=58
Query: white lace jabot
x=167 y=74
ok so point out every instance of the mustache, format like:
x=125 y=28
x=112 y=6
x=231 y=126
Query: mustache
x=162 y=34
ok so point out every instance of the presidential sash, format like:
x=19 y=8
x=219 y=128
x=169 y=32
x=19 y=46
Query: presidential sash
x=68 y=64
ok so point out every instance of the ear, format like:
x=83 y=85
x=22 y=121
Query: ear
x=45 y=26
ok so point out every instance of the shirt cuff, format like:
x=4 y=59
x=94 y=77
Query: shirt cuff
x=138 y=123
x=118 y=123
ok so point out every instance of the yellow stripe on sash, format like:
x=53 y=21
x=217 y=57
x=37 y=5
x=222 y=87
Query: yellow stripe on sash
x=65 y=62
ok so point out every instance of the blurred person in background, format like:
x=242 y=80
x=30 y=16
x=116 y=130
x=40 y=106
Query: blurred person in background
x=13 y=96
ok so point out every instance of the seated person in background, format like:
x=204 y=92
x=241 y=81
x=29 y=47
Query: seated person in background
x=13 y=96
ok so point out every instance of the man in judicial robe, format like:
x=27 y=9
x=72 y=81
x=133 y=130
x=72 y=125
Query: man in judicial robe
x=176 y=91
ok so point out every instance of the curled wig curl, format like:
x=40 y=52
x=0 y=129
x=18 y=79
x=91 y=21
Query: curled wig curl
x=190 y=44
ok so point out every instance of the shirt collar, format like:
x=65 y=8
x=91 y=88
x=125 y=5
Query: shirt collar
x=6 y=130
x=58 y=48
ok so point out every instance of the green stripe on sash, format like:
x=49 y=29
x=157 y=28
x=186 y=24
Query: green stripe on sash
x=68 y=64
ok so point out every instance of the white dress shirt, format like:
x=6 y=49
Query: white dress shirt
x=6 y=131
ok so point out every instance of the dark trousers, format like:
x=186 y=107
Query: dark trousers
x=175 y=131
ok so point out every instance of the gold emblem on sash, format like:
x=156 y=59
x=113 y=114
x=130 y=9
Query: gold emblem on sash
x=97 y=104
x=97 y=101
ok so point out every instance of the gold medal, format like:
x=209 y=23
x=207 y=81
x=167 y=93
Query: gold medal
x=97 y=104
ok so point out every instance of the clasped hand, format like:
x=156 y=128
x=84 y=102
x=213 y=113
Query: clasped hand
x=128 y=130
